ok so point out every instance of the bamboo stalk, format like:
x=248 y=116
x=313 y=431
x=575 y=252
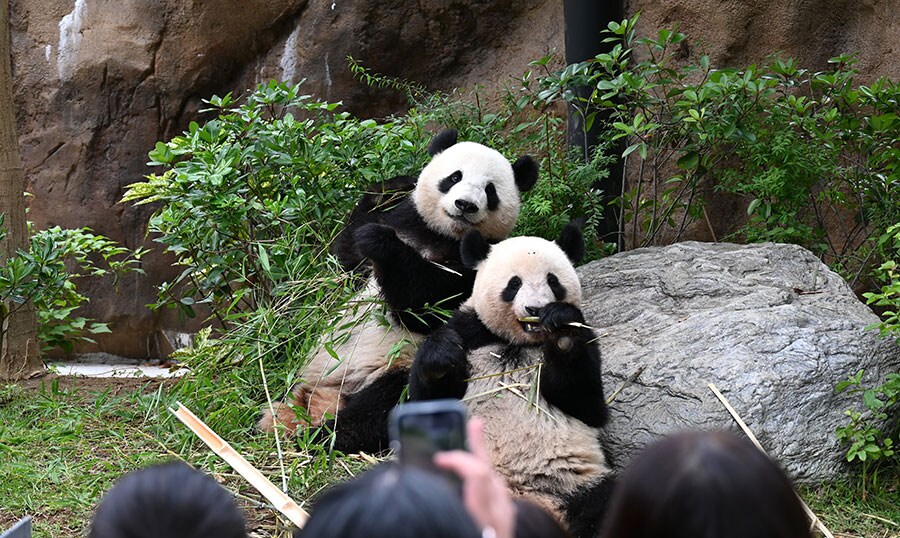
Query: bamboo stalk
x=814 y=520
x=278 y=498
x=631 y=379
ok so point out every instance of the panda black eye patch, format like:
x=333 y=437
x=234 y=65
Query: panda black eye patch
x=511 y=289
x=493 y=201
x=559 y=291
x=449 y=181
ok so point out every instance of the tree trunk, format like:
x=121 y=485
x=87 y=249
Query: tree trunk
x=19 y=347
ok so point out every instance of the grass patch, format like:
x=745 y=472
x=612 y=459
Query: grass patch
x=847 y=512
x=61 y=447
x=64 y=442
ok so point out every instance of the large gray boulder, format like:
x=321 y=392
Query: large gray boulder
x=769 y=324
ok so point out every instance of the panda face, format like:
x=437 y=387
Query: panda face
x=518 y=278
x=468 y=186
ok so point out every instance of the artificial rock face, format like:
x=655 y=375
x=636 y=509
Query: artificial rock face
x=770 y=325
x=98 y=82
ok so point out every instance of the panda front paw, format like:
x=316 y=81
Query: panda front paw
x=440 y=355
x=375 y=241
x=556 y=317
x=440 y=368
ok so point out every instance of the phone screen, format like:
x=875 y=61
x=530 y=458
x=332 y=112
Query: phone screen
x=421 y=436
x=420 y=429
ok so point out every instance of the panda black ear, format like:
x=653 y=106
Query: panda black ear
x=525 y=170
x=442 y=141
x=571 y=241
x=473 y=249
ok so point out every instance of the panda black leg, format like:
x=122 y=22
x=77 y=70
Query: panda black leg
x=585 y=509
x=361 y=424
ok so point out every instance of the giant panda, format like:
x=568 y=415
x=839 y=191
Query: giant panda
x=409 y=230
x=518 y=354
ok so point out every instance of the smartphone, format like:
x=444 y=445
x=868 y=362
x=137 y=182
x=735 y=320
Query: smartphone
x=419 y=429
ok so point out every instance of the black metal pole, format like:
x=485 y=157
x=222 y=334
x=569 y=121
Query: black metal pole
x=585 y=20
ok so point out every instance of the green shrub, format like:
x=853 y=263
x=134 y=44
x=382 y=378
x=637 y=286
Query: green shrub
x=888 y=297
x=802 y=149
x=868 y=443
x=871 y=433
x=46 y=274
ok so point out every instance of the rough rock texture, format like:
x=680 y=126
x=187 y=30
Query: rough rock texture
x=98 y=82
x=736 y=33
x=771 y=326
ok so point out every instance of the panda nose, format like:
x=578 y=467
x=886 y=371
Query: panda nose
x=466 y=206
x=533 y=310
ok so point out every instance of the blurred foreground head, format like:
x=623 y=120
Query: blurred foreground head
x=391 y=501
x=171 y=500
x=704 y=485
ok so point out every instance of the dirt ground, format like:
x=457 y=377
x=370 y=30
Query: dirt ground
x=116 y=384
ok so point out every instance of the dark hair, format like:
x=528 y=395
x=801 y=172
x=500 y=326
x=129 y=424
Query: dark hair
x=391 y=501
x=172 y=500
x=704 y=485
x=532 y=521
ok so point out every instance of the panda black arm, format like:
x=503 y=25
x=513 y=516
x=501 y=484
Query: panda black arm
x=441 y=365
x=570 y=377
x=409 y=282
x=378 y=200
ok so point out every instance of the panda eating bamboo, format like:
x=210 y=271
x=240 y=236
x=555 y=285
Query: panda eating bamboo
x=543 y=409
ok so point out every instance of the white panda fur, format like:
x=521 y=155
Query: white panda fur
x=480 y=166
x=412 y=244
x=537 y=386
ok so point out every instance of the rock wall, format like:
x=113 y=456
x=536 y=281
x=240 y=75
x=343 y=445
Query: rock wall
x=98 y=82
x=735 y=33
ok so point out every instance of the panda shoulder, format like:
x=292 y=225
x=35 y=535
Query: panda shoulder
x=381 y=196
x=473 y=332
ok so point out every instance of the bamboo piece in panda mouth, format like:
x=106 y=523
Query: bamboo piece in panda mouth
x=535 y=319
x=251 y=474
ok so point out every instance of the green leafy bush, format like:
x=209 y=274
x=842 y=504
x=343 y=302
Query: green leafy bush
x=868 y=443
x=888 y=297
x=865 y=433
x=46 y=274
x=805 y=151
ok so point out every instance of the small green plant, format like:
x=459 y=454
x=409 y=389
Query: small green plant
x=888 y=297
x=46 y=275
x=869 y=444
